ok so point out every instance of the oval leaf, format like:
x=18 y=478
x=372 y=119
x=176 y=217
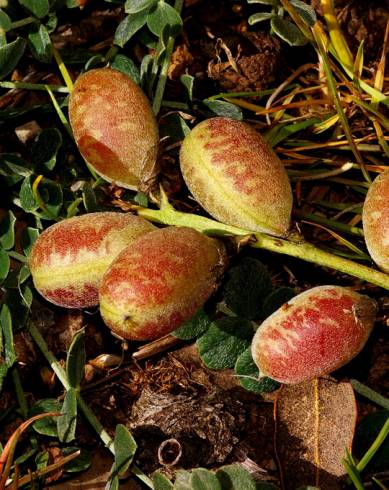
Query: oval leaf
x=129 y=26
x=45 y=148
x=66 y=423
x=248 y=374
x=125 y=448
x=224 y=109
x=288 y=32
x=7 y=231
x=224 y=341
x=202 y=479
x=161 y=16
x=75 y=361
x=39 y=8
x=10 y=55
x=194 y=327
x=40 y=43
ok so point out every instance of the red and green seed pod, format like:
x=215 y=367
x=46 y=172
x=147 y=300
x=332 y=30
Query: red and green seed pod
x=237 y=178
x=114 y=127
x=313 y=334
x=159 y=282
x=69 y=258
x=375 y=217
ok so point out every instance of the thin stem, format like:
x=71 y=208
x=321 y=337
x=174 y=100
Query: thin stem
x=63 y=69
x=374 y=447
x=88 y=413
x=23 y=22
x=169 y=216
x=165 y=66
x=370 y=394
x=34 y=86
x=60 y=113
x=21 y=397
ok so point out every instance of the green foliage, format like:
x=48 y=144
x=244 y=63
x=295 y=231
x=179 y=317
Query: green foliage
x=48 y=425
x=39 y=8
x=247 y=285
x=223 y=109
x=81 y=463
x=7 y=231
x=224 y=341
x=282 y=27
x=40 y=43
x=125 y=448
x=127 y=66
x=10 y=55
x=194 y=327
x=66 y=423
x=248 y=373
x=7 y=349
x=75 y=360
x=230 y=477
x=366 y=433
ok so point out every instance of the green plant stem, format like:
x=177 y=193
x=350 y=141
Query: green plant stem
x=370 y=394
x=23 y=22
x=34 y=86
x=165 y=66
x=21 y=397
x=88 y=413
x=374 y=447
x=354 y=475
x=169 y=216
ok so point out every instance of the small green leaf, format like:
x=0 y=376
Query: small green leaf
x=27 y=199
x=52 y=196
x=248 y=374
x=224 y=109
x=15 y=165
x=202 y=479
x=182 y=481
x=280 y=132
x=7 y=231
x=40 y=43
x=288 y=32
x=39 y=8
x=45 y=148
x=276 y=299
x=127 y=66
x=10 y=55
x=75 y=361
x=4 y=264
x=145 y=70
x=81 y=463
x=134 y=6
x=42 y=460
x=160 y=482
x=125 y=448
x=259 y=17
x=29 y=237
x=163 y=15
x=188 y=82
x=306 y=11
x=247 y=285
x=6 y=327
x=66 y=424
x=366 y=433
x=224 y=341
x=194 y=327
x=48 y=425
x=129 y=26
x=5 y=22
x=234 y=476
x=141 y=199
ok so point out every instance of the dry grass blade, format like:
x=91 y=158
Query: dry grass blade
x=6 y=456
x=44 y=471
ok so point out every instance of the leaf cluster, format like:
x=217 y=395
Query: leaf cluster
x=284 y=28
x=224 y=342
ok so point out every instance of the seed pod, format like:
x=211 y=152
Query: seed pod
x=313 y=334
x=237 y=178
x=69 y=258
x=160 y=282
x=114 y=127
x=375 y=218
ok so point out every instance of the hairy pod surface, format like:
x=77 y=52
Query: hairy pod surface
x=237 y=178
x=375 y=218
x=114 y=127
x=313 y=334
x=160 y=282
x=69 y=258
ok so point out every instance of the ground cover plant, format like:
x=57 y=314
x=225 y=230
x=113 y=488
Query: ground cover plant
x=194 y=244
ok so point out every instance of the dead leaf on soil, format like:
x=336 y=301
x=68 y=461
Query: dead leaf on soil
x=315 y=423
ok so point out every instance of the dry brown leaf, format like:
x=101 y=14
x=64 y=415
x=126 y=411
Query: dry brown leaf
x=315 y=423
